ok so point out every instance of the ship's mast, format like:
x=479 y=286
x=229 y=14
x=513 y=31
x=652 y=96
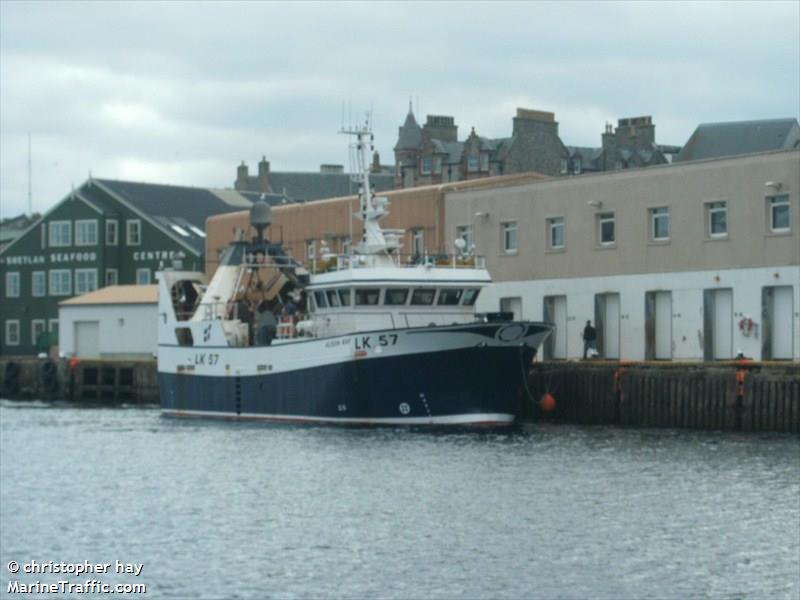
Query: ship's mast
x=371 y=207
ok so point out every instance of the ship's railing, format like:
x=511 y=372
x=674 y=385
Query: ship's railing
x=343 y=262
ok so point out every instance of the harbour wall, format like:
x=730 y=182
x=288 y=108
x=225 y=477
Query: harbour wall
x=734 y=396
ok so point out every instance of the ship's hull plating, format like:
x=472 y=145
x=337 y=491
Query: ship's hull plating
x=463 y=375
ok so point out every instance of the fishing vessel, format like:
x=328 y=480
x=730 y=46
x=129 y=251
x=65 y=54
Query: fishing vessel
x=369 y=337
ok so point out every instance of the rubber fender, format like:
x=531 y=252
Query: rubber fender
x=12 y=371
x=48 y=375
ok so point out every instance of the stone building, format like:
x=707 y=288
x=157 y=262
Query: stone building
x=330 y=181
x=432 y=153
x=631 y=145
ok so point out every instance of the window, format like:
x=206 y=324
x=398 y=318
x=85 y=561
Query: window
x=396 y=297
x=37 y=329
x=60 y=282
x=449 y=297
x=465 y=233
x=659 y=224
x=333 y=298
x=470 y=296
x=112 y=276
x=717 y=219
x=60 y=233
x=86 y=232
x=423 y=297
x=52 y=325
x=564 y=166
x=12 y=284
x=133 y=232
x=38 y=284
x=606 y=233
x=12 y=332
x=319 y=299
x=344 y=296
x=85 y=280
x=779 y=213
x=112 y=232
x=484 y=162
x=509 y=237
x=472 y=163
x=555 y=226
x=578 y=166
x=425 y=165
x=142 y=276
x=437 y=164
x=311 y=250
x=367 y=297
x=417 y=242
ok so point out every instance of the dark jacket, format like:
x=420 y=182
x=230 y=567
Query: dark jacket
x=589 y=333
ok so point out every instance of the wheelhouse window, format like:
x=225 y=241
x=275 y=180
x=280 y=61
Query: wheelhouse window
x=717 y=219
x=86 y=232
x=396 y=297
x=606 y=223
x=510 y=237
x=367 y=296
x=659 y=224
x=423 y=297
x=556 y=237
x=779 y=221
x=470 y=296
x=333 y=298
x=320 y=300
x=344 y=296
x=60 y=233
x=449 y=297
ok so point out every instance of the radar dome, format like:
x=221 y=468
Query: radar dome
x=260 y=217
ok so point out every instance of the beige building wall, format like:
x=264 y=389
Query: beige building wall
x=332 y=220
x=684 y=188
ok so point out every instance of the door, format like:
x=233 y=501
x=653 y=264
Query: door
x=777 y=322
x=723 y=324
x=87 y=339
x=606 y=316
x=512 y=305
x=555 y=311
x=658 y=325
x=663 y=342
x=718 y=324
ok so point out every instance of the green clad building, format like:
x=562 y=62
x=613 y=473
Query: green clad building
x=103 y=233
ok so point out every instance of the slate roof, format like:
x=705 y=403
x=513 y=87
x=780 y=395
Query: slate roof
x=410 y=133
x=308 y=186
x=176 y=209
x=711 y=140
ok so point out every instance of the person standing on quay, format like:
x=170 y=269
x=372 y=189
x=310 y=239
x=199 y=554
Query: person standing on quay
x=589 y=339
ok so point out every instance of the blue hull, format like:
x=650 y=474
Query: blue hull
x=465 y=386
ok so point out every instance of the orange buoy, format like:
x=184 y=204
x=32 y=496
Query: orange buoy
x=73 y=362
x=547 y=403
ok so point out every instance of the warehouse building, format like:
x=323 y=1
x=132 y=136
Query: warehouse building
x=688 y=261
x=102 y=233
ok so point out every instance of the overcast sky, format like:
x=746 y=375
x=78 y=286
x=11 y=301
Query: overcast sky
x=182 y=92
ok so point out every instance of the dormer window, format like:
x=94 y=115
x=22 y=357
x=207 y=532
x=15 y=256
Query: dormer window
x=437 y=164
x=425 y=165
x=472 y=163
x=484 y=161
